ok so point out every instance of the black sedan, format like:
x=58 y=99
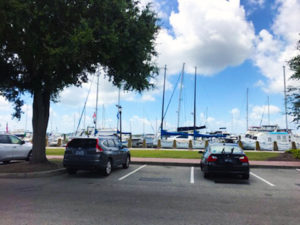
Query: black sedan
x=221 y=158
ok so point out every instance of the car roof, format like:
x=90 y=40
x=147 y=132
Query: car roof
x=99 y=137
x=224 y=144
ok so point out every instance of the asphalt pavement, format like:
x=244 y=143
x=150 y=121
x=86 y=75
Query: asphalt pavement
x=147 y=194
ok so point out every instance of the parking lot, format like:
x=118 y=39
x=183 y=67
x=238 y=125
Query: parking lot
x=146 y=194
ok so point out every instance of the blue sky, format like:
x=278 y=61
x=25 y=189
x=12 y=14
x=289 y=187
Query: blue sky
x=234 y=44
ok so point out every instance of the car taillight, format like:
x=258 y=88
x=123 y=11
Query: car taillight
x=98 y=147
x=212 y=158
x=244 y=159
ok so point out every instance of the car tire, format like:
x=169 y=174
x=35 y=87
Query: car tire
x=29 y=156
x=127 y=162
x=245 y=176
x=6 y=162
x=71 y=171
x=108 y=168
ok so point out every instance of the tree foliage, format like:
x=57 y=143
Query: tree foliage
x=294 y=92
x=46 y=46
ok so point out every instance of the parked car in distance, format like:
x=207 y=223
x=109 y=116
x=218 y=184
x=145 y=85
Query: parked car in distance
x=13 y=148
x=224 y=158
x=95 y=153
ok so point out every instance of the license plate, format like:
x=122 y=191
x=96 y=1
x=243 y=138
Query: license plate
x=79 y=153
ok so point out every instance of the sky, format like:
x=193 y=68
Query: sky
x=235 y=46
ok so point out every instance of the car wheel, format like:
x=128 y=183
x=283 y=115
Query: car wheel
x=245 y=176
x=29 y=157
x=108 y=168
x=127 y=162
x=71 y=171
x=6 y=162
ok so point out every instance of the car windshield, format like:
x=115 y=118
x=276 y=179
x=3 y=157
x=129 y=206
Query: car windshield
x=225 y=149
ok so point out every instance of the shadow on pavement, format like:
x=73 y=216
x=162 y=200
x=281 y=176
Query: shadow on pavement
x=229 y=179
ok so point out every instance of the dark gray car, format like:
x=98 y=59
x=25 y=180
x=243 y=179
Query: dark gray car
x=98 y=153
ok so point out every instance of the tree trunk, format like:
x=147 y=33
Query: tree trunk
x=40 y=117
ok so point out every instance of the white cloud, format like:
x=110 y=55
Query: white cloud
x=257 y=112
x=259 y=83
x=156 y=6
x=276 y=47
x=140 y=125
x=210 y=34
x=5 y=106
x=108 y=93
x=259 y=3
x=14 y=124
x=235 y=112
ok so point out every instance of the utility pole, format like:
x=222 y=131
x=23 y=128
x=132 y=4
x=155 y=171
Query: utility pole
x=120 y=120
x=285 y=100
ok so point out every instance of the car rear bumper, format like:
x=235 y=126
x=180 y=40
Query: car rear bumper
x=238 y=170
x=86 y=164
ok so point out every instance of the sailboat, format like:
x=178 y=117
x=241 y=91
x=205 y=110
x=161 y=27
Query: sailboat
x=95 y=130
x=183 y=135
x=266 y=135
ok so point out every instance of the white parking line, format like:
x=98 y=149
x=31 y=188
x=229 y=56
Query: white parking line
x=127 y=175
x=192 y=175
x=262 y=179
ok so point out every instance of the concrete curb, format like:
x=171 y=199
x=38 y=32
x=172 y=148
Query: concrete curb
x=33 y=174
x=165 y=163
x=274 y=167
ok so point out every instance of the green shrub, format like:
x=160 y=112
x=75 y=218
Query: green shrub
x=295 y=153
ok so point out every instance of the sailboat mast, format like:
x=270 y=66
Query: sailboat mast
x=98 y=75
x=247 y=109
x=195 y=92
x=118 y=120
x=163 y=102
x=285 y=103
x=180 y=93
x=268 y=111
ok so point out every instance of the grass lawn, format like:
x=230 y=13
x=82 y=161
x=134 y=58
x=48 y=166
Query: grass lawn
x=194 y=154
x=260 y=156
x=175 y=154
x=55 y=151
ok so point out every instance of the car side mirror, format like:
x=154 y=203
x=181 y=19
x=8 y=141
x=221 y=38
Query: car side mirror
x=123 y=146
x=22 y=142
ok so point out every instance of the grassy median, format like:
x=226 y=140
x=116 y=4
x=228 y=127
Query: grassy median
x=185 y=154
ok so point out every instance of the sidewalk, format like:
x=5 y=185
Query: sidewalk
x=196 y=162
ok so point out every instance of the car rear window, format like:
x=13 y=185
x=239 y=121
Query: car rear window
x=225 y=149
x=82 y=143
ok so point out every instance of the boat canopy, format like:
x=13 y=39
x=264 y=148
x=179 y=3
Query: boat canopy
x=195 y=134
